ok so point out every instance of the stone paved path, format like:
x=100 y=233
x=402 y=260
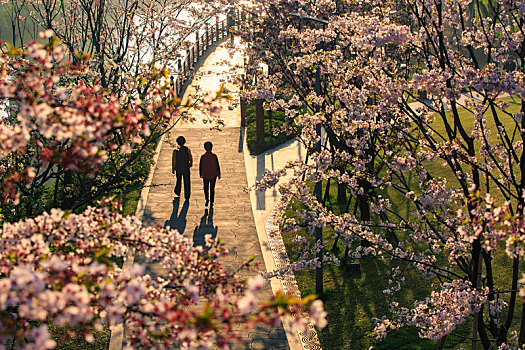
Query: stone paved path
x=231 y=218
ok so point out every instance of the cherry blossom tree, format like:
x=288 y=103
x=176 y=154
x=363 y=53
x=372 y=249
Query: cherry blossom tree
x=418 y=100
x=85 y=104
x=59 y=269
x=63 y=120
x=133 y=47
x=62 y=268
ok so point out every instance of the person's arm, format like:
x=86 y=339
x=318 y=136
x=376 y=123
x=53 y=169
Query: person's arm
x=200 y=167
x=190 y=158
x=173 y=161
x=218 y=167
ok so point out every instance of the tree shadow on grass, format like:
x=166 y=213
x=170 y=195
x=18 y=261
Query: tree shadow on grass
x=354 y=299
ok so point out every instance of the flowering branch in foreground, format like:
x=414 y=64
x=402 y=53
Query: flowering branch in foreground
x=61 y=115
x=59 y=268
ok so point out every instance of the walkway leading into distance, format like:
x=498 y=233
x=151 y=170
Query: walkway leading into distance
x=231 y=218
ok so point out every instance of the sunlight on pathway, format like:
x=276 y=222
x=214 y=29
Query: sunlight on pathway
x=223 y=66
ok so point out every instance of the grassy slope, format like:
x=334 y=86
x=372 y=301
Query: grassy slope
x=354 y=299
x=468 y=122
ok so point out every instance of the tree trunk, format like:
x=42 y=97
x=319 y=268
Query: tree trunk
x=521 y=339
x=476 y=276
x=364 y=209
x=341 y=193
x=259 y=118
x=326 y=192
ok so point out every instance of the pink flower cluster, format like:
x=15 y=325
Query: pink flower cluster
x=59 y=268
x=439 y=314
x=64 y=115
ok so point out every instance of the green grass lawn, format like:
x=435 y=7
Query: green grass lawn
x=65 y=342
x=353 y=299
x=437 y=169
x=259 y=145
x=130 y=200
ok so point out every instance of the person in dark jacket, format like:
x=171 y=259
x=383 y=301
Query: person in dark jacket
x=209 y=171
x=181 y=162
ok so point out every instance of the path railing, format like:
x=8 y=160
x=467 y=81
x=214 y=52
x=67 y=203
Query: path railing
x=206 y=37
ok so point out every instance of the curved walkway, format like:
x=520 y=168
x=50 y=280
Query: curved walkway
x=231 y=219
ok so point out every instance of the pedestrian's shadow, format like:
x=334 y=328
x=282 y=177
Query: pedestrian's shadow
x=204 y=228
x=177 y=219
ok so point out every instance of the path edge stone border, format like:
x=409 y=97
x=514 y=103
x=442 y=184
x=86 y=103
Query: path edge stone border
x=309 y=341
x=117 y=331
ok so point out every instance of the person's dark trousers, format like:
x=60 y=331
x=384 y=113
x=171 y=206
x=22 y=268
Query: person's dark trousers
x=209 y=189
x=183 y=176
